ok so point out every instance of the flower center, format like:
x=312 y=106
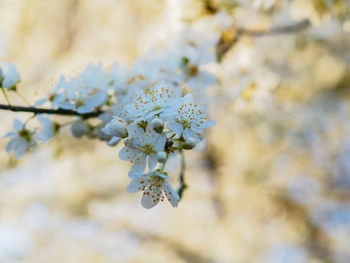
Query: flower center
x=147 y=149
x=192 y=70
x=157 y=107
x=24 y=134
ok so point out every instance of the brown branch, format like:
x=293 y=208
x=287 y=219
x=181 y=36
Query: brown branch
x=49 y=111
x=183 y=252
x=231 y=36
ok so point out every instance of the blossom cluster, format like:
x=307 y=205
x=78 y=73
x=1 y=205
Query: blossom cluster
x=149 y=106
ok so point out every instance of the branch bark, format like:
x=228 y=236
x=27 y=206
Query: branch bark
x=49 y=111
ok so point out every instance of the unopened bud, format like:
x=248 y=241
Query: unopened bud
x=114 y=141
x=157 y=125
x=79 y=128
x=100 y=134
x=190 y=143
x=161 y=157
x=116 y=127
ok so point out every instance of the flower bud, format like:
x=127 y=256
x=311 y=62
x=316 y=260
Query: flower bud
x=116 y=127
x=157 y=125
x=190 y=143
x=161 y=157
x=114 y=141
x=79 y=128
x=100 y=134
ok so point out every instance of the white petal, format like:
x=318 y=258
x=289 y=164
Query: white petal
x=105 y=117
x=151 y=197
x=62 y=84
x=47 y=130
x=160 y=143
x=138 y=166
x=175 y=127
x=114 y=141
x=85 y=109
x=138 y=184
x=64 y=105
x=171 y=194
x=18 y=125
x=188 y=133
x=97 y=99
x=127 y=154
x=19 y=146
x=188 y=98
x=41 y=102
x=206 y=79
x=208 y=124
x=10 y=134
x=152 y=161
x=11 y=144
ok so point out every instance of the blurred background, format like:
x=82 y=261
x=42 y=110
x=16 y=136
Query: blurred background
x=272 y=185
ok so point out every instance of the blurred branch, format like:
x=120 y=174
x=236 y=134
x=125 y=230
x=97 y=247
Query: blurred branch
x=49 y=111
x=70 y=28
x=183 y=185
x=231 y=36
x=212 y=164
x=182 y=251
x=317 y=242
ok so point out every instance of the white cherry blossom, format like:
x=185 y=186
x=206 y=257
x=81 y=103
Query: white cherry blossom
x=155 y=187
x=142 y=145
x=190 y=119
x=194 y=57
x=22 y=140
x=48 y=129
x=153 y=101
x=11 y=77
x=85 y=92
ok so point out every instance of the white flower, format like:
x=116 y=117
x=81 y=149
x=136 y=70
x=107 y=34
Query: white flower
x=194 y=57
x=152 y=101
x=154 y=185
x=11 y=78
x=141 y=145
x=200 y=79
x=118 y=81
x=85 y=92
x=117 y=128
x=22 y=141
x=61 y=97
x=48 y=129
x=190 y=119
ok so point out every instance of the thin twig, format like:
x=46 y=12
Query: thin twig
x=231 y=36
x=287 y=29
x=183 y=185
x=6 y=97
x=49 y=111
